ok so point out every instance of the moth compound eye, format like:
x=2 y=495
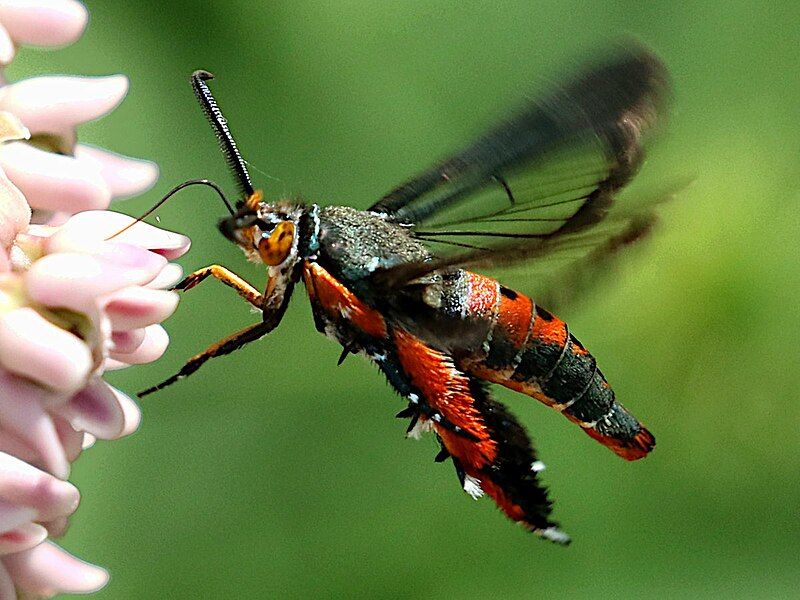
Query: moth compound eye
x=275 y=248
x=264 y=226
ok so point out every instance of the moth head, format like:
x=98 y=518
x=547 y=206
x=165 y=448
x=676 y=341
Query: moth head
x=266 y=232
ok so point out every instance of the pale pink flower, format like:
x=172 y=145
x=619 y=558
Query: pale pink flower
x=39 y=23
x=51 y=108
x=75 y=300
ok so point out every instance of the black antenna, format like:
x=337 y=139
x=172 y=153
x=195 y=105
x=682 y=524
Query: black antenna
x=170 y=194
x=220 y=125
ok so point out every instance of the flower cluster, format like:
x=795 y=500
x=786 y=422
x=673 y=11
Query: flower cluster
x=75 y=300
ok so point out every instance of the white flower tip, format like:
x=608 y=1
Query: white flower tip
x=96 y=410
x=73 y=499
x=70 y=19
x=59 y=468
x=168 y=277
x=44 y=22
x=101 y=94
x=36 y=534
x=88 y=441
x=115 y=86
x=132 y=416
x=154 y=345
x=94 y=579
x=11 y=128
x=56 y=104
x=140 y=175
x=7 y=49
x=24 y=537
x=77 y=15
x=111 y=364
x=50 y=569
x=53 y=182
x=125 y=176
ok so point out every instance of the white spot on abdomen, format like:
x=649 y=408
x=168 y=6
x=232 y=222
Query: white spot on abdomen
x=472 y=486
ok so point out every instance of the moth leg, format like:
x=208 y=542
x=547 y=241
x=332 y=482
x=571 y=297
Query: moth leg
x=225 y=346
x=229 y=278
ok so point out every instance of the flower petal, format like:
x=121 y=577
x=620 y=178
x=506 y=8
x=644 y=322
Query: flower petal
x=71 y=438
x=33 y=347
x=7 y=590
x=44 y=22
x=57 y=527
x=10 y=444
x=111 y=364
x=74 y=443
x=131 y=418
x=7 y=48
x=48 y=569
x=95 y=409
x=76 y=281
x=24 y=537
x=131 y=413
x=124 y=176
x=13 y=515
x=125 y=342
x=11 y=128
x=25 y=485
x=52 y=181
x=153 y=347
x=22 y=414
x=135 y=307
x=57 y=104
x=100 y=225
x=15 y=214
x=167 y=278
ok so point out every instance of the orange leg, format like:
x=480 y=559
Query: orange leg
x=226 y=346
x=232 y=342
x=244 y=289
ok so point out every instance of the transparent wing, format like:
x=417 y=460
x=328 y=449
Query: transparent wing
x=567 y=277
x=543 y=180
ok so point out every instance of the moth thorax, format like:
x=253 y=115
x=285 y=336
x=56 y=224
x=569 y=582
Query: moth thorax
x=276 y=248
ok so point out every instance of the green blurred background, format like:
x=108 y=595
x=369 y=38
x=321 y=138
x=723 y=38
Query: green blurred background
x=273 y=473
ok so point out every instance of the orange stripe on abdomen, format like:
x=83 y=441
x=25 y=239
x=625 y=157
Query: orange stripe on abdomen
x=514 y=320
x=340 y=303
x=447 y=391
x=557 y=370
x=509 y=336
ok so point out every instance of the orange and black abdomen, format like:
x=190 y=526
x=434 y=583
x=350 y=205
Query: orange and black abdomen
x=530 y=350
x=488 y=447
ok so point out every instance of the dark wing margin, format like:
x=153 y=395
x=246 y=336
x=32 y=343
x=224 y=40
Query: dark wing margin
x=611 y=101
x=541 y=181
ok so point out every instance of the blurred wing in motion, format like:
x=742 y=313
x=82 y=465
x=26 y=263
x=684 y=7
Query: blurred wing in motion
x=542 y=181
x=572 y=275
